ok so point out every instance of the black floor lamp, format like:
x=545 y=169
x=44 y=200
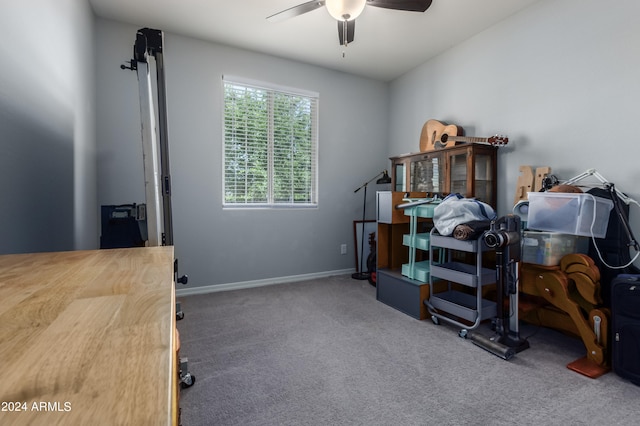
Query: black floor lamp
x=362 y=275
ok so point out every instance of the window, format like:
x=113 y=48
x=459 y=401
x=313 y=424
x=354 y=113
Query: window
x=270 y=145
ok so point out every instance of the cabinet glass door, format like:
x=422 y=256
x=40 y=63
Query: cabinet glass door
x=399 y=176
x=426 y=174
x=458 y=173
x=484 y=177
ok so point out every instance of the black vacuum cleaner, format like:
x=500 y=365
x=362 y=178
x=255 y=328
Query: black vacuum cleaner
x=504 y=237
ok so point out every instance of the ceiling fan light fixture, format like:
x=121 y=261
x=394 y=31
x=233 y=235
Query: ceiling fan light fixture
x=345 y=10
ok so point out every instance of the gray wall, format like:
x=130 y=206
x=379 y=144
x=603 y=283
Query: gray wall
x=560 y=79
x=216 y=246
x=47 y=136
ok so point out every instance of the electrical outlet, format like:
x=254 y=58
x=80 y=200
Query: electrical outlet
x=343 y=249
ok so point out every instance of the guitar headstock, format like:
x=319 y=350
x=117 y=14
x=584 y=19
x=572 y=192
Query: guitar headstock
x=498 y=140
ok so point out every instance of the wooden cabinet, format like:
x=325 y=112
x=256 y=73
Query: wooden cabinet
x=469 y=169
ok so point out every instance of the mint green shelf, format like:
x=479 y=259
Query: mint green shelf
x=418 y=271
x=419 y=241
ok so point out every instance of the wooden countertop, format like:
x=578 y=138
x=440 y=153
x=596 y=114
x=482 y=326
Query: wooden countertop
x=88 y=337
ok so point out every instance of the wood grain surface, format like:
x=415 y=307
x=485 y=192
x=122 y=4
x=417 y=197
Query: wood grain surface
x=87 y=337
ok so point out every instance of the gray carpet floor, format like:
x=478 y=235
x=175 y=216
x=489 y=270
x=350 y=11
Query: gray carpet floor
x=326 y=352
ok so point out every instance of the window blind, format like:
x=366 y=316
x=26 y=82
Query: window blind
x=270 y=145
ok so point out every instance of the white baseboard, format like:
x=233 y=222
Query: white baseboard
x=257 y=283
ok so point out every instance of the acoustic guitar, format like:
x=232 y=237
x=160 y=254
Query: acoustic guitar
x=432 y=132
x=438 y=135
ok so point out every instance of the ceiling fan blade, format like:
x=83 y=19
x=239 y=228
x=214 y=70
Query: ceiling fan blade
x=408 y=5
x=351 y=29
x=296 y=11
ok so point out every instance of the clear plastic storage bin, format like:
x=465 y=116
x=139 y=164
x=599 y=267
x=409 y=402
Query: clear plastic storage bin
x=569 y=213
x=547 y=248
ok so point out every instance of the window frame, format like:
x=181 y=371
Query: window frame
x=279 y=89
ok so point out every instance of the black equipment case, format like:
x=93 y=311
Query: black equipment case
x=625 y=313
x=123 y=226
x=614 y=248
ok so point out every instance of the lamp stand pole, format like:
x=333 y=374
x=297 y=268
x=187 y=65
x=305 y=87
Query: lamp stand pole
x=361 y=275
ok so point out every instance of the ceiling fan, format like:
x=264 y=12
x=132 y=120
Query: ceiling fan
x=346 y=11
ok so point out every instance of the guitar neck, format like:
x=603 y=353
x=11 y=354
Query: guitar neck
x=493 y=141
x=470 y=139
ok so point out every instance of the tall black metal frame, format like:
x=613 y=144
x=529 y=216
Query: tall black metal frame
x=149 y=44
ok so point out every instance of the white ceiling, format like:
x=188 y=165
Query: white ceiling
x=387 y=43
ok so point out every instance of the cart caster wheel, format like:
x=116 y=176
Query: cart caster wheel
x=187 y=381
x=463 y=333
x=435 y=320
x=179 y=315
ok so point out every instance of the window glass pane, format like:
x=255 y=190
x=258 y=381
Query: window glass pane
x=270 y=145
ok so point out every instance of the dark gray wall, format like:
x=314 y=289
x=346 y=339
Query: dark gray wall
x=47 y=135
